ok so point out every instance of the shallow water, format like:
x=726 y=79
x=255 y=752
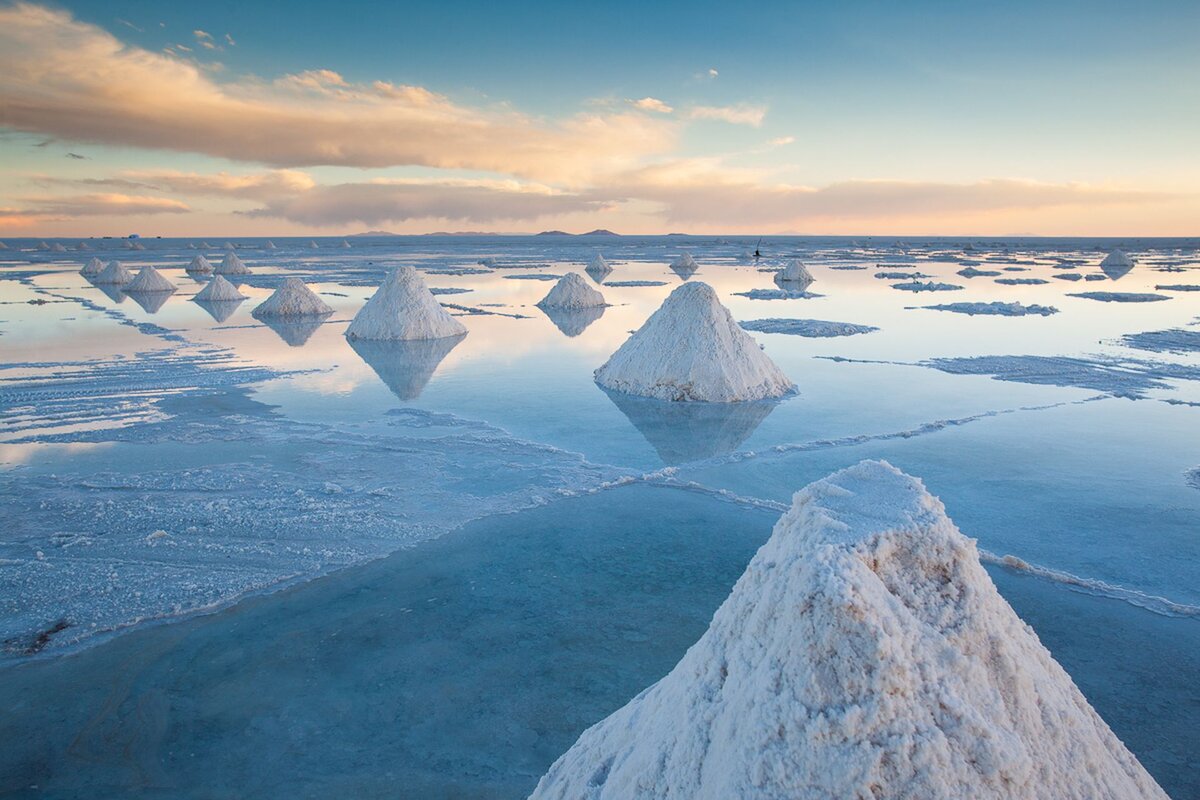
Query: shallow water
x=551 y=548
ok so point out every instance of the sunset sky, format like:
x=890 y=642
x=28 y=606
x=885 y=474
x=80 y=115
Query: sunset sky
x=850 y=118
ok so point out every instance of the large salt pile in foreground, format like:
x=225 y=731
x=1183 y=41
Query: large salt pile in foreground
x=149 y=280
x=94 y=266
x=232 y=265
x=864 y=653
x=572 y=291
x=292 y=299
x=199 y=266
x=219 y=290
x=795 y=272
x=691 y=349
x=403 y=308
x=114 y=274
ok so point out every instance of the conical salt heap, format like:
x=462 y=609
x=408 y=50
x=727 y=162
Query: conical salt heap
x=57 y=247
x=270 y=245
x=149 y=280
x=864 y=653
x=83 y=246
x=114 y=274
x=572 y=291
x=231 y=265
x=219 y=290
x=403 y=308
x=229 y=247
x=795 y=272
x=598 y=268
x=199 y=266
x=691 y=349
x=292 y=299
x=43 y=246
x=312 y=245
x=685 y=262
x=1117 y=258
x=94 y=266
x=345 y=245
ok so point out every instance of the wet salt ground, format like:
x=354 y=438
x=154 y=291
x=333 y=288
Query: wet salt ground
x=264 y=463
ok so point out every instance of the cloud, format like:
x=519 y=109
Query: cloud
x=66 y=78
x=702 y=192
x=735 y=115
x=77 y=157
x=780 y=141
x=260 y=186
x=204 y=39
x=229 y=41
x=97 y=205
x=652 y=104
x=378 y=202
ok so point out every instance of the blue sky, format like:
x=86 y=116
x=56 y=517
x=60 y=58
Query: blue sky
x=1100 y=95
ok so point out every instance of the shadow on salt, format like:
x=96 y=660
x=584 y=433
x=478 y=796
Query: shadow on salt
x=405 y=366
x=685 y=432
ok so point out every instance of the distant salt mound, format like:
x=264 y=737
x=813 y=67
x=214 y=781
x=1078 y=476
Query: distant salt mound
x=685 y=263
x=114 y=274
x=231 y=265
x=269 y=245
x=995 y=309
x=219 y=290
x=598 y=268
x=795 y=272
x=403 y=308
x=57 y=247
x=864 y=653
x=1117 y=258
x=292 y=299
x=149 y=280
x=199 y=266
x=94 y=266
x=83 y=246
x=345 y=245
x=312 y=245
x=692 y=349
x=229 y=247
x=572 y=291
x=43 y=246
x=3 y=246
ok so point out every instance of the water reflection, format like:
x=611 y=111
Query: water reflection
x=296 y=331
x=682 y=432
x=111 y=290
x=150 y=302
x=220 y=310
x=405 y=367
x=1115 y=271
x=573 y=321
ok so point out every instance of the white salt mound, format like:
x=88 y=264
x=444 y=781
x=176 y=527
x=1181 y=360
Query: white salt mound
x=403 y=308
x=691 y=349
x=199 y=266
x=572 y=291
x=292 y=299
x=270 y=245
x=685 y=262
x=149 y=280
x=94 y=266
x=231 y=265
x=598 y=268
x=43 y=246
x=219 y=290
x=345 y=245
x=864 y=654
x=312 y=245
x=114 y=274
x=795 y=272
x=1117 y=258
x=57 y=247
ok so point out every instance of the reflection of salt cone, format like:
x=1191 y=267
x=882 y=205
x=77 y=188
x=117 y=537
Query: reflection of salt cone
x=405 y=365
x=573 y=321
x=682 y=432
x=1116 y=265
x=150 y=302
x=220 y=310
x=296 y=331
x=112 y=291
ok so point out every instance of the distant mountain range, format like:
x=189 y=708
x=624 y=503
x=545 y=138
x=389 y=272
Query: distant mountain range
x=597 y=232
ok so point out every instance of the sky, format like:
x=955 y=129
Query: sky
x=854 y=118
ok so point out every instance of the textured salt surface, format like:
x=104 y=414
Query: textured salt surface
x=403 y=308
x=925 y=286
x=114 y=274
x=199 y=266
x=863 y=653
x=631 y=284
x=1176 y=340
x=231 y=265
x=94 y=266
x=815 y=328
x=995 y=309
x=691 y=349
x=1116 y=376
x=776 y=294
x=1021 y=281
x=151 y=281
x=219 y=290
x=1121 y=297
x=794 y=272
x=1178 y=287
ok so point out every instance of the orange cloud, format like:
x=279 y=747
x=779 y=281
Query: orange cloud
x=70 y=79
x=734 y=115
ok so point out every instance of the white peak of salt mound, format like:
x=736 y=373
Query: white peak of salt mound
x=795 y=272
x=684 y=261
x=115 y=274
x=312 y=245
x=292 y=299
x=864 y=653
x=572 y=291
x=1117 y=258
x=191 y=245
x=149 y=280
x=43 y=246
x=270 y=245
x=598 y=267
x=94 y=266
x=200 y=266
x=219 y=290
x=692 y=349
x=83 y=246
x=403 y=308
x=57 y=247
x=345 y=245
x=230 y=246
x=231 y=265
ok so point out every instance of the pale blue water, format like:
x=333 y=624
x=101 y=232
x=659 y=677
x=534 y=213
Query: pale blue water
x=548 y=549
